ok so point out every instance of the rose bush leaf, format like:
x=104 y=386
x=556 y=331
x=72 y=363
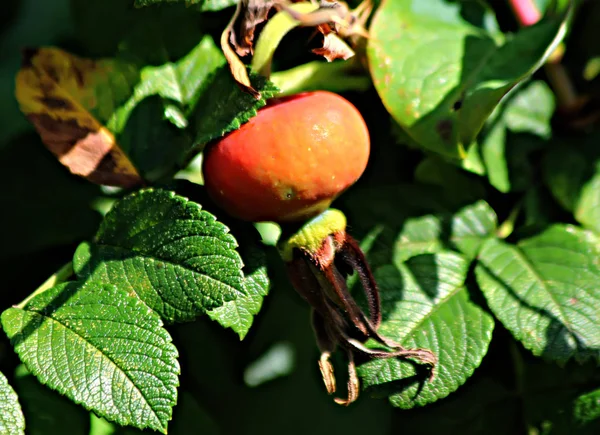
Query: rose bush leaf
x=463 y=231
x=572 y=172
x=239 y=313
x=425 y=304
x=545 y=291
x=174 y=256
x=11 y=416
x=442 y=99
x=520 y=127
x=102 y=348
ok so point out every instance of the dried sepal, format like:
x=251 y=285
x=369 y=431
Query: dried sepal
x=319 y=257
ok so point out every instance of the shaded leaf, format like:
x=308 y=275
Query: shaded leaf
x=174 y=256
x=224 y=107
x=101 y=348
x=443 y=98
x=463 y=231
x=46 y=411
x=239 y=313
x=505 y=149
x=545 y=291
x=426 y=305
x=11 y=416
x=67 y=99
x=572 y=172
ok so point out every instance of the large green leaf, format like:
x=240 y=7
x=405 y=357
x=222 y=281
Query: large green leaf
x=176 y=257
x=425 y=304
x=506 y=146
x=204 y=5
x=545 y=291
x=441 y=76
x=46 y=411
x=11 y=416
x=100 y=347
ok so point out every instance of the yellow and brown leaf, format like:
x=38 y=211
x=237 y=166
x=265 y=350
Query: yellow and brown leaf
x=65 y=98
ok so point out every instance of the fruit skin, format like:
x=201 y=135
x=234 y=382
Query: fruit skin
x=290 y=161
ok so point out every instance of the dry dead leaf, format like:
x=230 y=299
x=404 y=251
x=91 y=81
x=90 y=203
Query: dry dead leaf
x=55 y=92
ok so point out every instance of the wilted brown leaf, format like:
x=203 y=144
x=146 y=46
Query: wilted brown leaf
x=55 y=91
x=334 y=48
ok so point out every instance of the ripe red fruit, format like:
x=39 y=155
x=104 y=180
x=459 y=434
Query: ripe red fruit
x=290 y=161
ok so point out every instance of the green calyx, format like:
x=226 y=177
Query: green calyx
x=310 y=236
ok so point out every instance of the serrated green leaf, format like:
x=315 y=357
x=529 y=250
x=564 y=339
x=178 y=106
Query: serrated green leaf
x=46 y=411
x=426 y=305
x=545 y=291
x=463 y=231
x=100 y=347
x=174 y=256
x=239 y=314
x=505 y=152
x=223 y=106
x=440 y=76
x=11 y=416
x=204 y=5
x=572 y=172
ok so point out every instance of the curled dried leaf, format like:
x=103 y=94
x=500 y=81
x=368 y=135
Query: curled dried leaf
x=334 y=48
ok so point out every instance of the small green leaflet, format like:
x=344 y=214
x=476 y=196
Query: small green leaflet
x=47 y=411
x=11 y=416
x=224 y=107
x=238 y=314
x=174 y=256
x=545 y=291
x=426 y=305
x=102 y=348
x=506 y=146
x=463 y=231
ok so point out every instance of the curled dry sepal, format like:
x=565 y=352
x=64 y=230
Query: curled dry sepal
x=319 y=257
x=333 y=19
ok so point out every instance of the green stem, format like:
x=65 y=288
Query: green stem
x=336 y=76
x=272 y=34
x=60 y=276
x=508 y=226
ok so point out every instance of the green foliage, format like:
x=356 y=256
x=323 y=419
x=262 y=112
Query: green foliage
x=442 y=85
x=101 y=333
x=11 y=416
x=479 y=214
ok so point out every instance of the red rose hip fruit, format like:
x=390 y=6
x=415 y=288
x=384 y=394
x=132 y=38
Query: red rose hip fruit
x=290 y=161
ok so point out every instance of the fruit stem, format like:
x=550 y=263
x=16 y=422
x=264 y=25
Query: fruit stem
x=272 y=34
x=336 y=76
x=60 y=276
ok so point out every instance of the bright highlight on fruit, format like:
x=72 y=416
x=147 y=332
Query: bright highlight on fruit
x=290 y=161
